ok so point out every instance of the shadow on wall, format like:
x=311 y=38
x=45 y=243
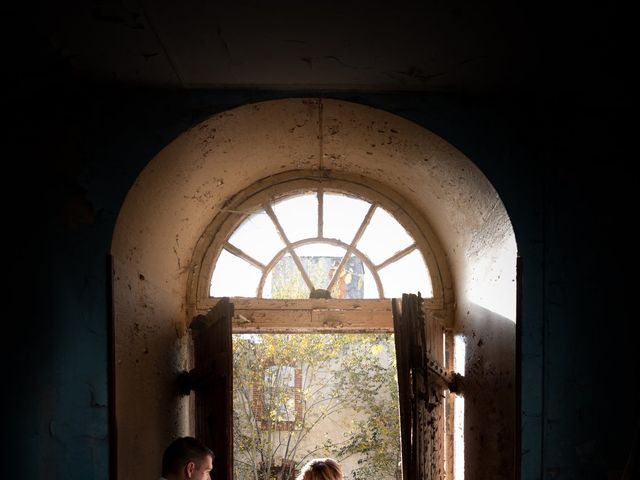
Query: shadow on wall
x=489 y=389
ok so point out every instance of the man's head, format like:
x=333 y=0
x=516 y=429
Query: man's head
x=187 y=458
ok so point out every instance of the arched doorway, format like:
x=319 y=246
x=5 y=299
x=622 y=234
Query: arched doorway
x=191 y=181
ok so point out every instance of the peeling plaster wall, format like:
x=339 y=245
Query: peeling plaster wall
x=184 y=187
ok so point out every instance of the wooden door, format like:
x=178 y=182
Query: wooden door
x=212 y=381
x=421 y=383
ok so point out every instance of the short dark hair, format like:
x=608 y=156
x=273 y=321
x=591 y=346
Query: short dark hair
x=182 y=451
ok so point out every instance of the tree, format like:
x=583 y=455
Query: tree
x=288 y=388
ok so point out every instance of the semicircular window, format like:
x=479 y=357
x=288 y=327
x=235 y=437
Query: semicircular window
x=320 y=245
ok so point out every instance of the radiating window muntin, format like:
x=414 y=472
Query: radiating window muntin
x=322 y=244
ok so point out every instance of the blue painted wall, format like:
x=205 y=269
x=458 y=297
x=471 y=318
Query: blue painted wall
x=560 y=166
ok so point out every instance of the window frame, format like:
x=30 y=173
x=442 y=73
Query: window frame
x=351 y=247
x=258 y=393
x=254 y=315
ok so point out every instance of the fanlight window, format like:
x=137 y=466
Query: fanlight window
x=320 y=245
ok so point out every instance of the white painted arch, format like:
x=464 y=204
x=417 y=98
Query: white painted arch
x=185 y=186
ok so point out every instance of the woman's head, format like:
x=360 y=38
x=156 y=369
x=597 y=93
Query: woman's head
x=321 y=469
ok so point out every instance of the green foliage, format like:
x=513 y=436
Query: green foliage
x=274 y=414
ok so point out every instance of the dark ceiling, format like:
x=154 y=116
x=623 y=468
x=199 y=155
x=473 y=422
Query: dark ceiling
x=451 y=46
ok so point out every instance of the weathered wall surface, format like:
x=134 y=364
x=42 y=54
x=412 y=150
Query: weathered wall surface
x=185 y=186
x=86 y=147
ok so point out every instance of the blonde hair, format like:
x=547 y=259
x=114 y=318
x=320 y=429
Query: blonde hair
x=321 y=469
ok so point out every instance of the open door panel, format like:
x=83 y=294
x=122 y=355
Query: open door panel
x=212 y=381
x=420 y=354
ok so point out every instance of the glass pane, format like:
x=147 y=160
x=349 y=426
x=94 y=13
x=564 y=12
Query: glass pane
x=407 y=275
x=383 y=237
x=257 y=237
x=370 y=287
x=279 y=393
x=342 y=216
x=233 y=277
x=320 y=261
x=298 y=216
x=280 y=376
x=285 y=281
x=351 y=280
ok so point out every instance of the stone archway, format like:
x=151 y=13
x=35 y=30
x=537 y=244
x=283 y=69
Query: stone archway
x=183 y=188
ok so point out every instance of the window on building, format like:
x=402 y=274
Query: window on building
x=277 y=402
x=319 y=244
